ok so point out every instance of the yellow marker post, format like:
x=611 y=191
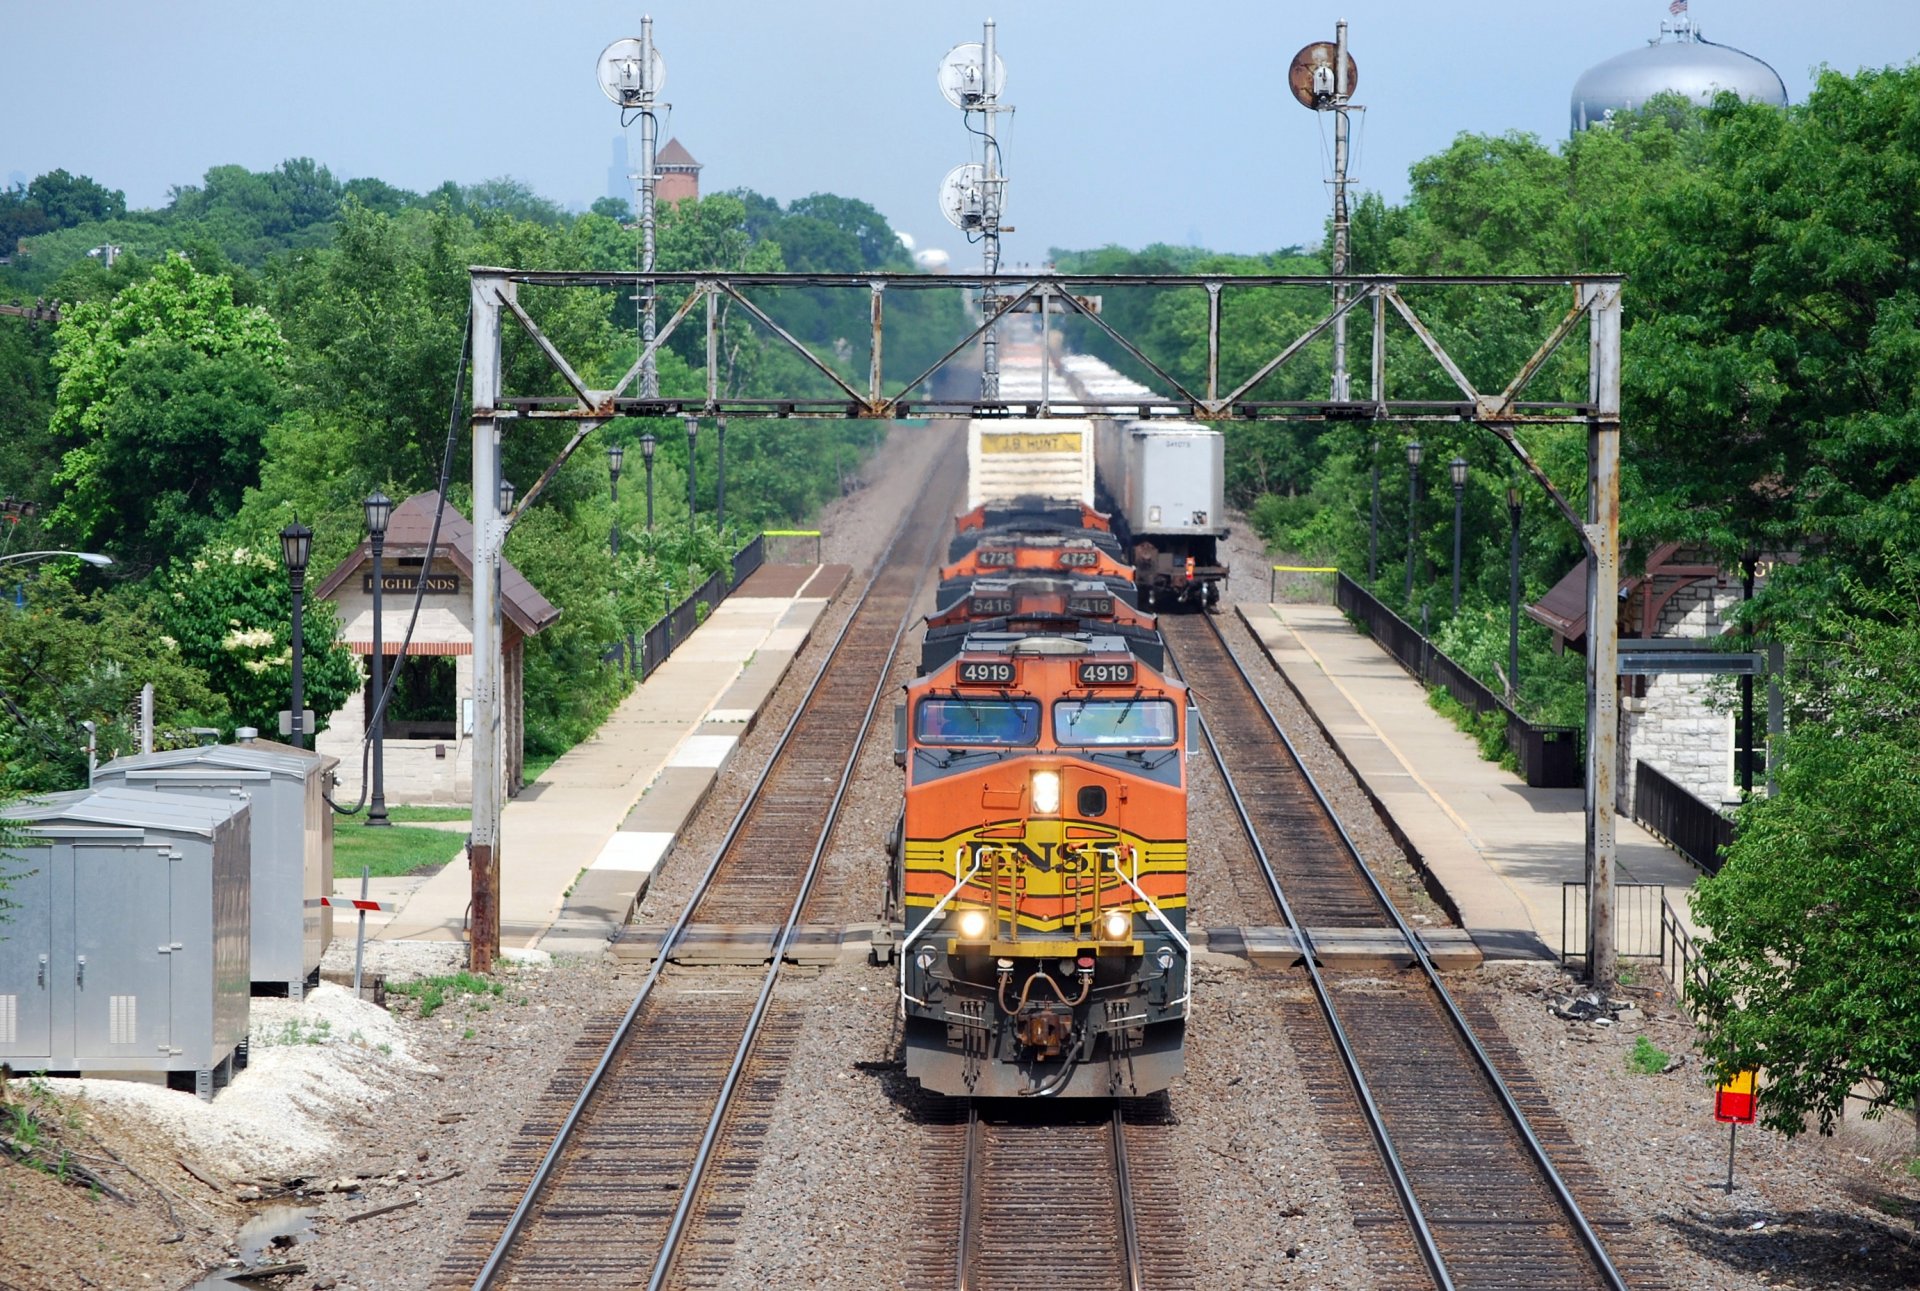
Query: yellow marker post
x=1296 y=569
x=1733 y=1103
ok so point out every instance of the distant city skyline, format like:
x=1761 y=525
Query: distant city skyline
x=1131 y=127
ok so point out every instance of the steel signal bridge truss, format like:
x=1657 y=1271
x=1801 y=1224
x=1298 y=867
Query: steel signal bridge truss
x=1594 y=300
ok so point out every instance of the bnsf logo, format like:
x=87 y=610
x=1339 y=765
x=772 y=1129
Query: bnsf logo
x=996 y=560
x=1079 y=559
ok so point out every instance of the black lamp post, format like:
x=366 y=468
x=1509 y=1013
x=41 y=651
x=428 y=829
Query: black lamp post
x=296 y=544
x=693 y=506
x=615 y=456
x=1457 y=468
x=720 y=497
x=1413 y=506
x=379 y=508
x=1373 y=522
x=506 y=496
x=1513 y=594
x=647 y=444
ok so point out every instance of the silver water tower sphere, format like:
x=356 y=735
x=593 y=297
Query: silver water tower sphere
x=1681 y=61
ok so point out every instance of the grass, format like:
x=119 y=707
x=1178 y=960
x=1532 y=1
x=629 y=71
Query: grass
x=1647 y=1058
x=295 y=1032
x=537 y=764
x=412 y=815
x=1488 y=730
x=391 y=851
x=433 y=992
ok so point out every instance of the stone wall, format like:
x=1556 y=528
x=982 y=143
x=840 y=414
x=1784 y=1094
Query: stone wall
x=1683 y=724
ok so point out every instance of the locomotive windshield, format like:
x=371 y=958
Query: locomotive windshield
x=977 y=721
x=1115 y=721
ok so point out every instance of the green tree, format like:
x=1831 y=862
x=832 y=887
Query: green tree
x=1814 y=961
x=68 y=658
x=229 y=613
x=165 y=392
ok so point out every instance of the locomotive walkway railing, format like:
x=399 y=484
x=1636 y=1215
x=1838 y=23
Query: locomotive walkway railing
x=1695 y=829
x=1549 y=756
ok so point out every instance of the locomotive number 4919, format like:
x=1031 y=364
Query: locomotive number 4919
x=1106 y=674
x=995 y=673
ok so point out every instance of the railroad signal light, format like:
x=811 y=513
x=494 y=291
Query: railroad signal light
x=1733 y=1100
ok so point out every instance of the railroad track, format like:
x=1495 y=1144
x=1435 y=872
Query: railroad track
x=657 y=1140
x=1482 y=1202
x=1023 y=1196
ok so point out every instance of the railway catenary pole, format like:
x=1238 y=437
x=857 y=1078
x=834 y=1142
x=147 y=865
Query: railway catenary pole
x=643 y=188
x=490 y=291
x=990 y=216
x=1341 y=89
x=1603 y=645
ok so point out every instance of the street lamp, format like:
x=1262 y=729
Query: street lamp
x=506 y=496
x=720 y=498
x=91 y=557
x=296 y=544
x=1457 y=468
x=647 y=444
x=1413 y=505
x=615 y=456
x=379 y=509
x=693 y=509
x=1373 y=522
x=1513 y=595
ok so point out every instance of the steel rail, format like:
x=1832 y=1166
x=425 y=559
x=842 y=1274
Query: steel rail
x=543 y=1172
x=1123 y=1184
x=1370 y=1109
x=963 y=1263
x=669 y=1245
x=1535 y=1149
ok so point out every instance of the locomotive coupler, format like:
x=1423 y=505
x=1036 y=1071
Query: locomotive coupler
x=1045 y=1028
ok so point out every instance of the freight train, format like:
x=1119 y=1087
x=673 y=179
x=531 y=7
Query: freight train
x=1039 y=868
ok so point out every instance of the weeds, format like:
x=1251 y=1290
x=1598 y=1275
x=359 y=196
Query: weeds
x=433 y=992
x=294 y=1031
x=1647 y=1058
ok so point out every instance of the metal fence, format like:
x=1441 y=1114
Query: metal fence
x=748 y=559
x=1549 y=756
x=1640 y=926
x=1697 y=830
x=666 y=635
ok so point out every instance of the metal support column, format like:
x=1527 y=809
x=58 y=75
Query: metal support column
x=1603 y=646
x=483 y=932
x=1341 y=90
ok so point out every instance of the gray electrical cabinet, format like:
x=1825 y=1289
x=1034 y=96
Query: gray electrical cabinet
x=126 y=952
x=292 y=829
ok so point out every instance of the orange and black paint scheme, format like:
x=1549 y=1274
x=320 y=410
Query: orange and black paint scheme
x=1041 y=869
x=1037 y=605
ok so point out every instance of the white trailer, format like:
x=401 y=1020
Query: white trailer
x=1020 y=459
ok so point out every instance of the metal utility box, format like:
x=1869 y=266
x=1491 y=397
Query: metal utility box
x=1013 y=460
x=292 y=829
x=1175 y=479
x=127 y=950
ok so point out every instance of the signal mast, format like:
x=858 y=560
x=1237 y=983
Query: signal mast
x=973 y=195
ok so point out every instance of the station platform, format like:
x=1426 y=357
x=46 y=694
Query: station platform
x=578 y=844
x=1498 y=850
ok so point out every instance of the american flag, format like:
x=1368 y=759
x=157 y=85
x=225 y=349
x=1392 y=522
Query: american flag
x=1677 y=8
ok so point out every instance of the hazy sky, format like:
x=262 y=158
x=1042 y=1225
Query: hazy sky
x=1136 y=123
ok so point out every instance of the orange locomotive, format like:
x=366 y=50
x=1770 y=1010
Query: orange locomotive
x=1041 y=869
x=1040 y=604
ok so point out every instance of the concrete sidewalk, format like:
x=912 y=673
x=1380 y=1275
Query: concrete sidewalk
x=572 y=860
x=1499 y=849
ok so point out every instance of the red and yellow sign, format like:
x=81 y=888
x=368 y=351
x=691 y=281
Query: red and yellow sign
x=1733 y=1099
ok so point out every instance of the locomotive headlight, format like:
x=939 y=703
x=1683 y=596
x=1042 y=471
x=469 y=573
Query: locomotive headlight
x=1117 y=924
x=973 y=924
x=1046 y=792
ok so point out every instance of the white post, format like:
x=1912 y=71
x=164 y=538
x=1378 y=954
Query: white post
x=1340 y=91
x=146 y=718
x=990 y=228
x=490 y=288
x=1603 y=646
x=649 y=149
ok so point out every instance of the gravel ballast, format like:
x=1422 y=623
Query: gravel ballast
x=415 y=1110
